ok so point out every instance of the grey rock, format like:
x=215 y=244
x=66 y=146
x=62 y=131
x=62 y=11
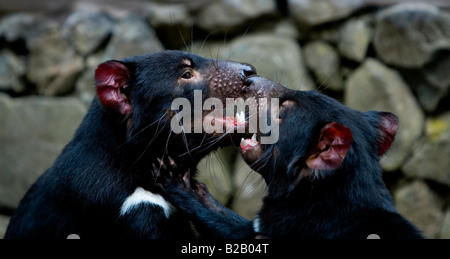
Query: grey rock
x=445 y=231
x=436 y=72
x=310 y=13
x=419 y=204
x=430 y=83
x=275 y=57
x=434 y=84
x=172 y=21
x=53 y=64
x=428 y=95
x=329 y=34
x=231 y=14
x=12 y=69
x=33 y=131
x=354 y=39
x=17 y=26
x=132 y=36
x=4 y=221
x=284 y=28
x=85 y=85
x=431 y=159
x=87 y=30
x=373 y=86
x=407 y=35
x=164 y=14
x=35 y=6
x=324 y=61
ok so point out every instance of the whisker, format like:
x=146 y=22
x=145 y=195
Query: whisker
x=157 y=132
x=251 y=179
x=211 y=143
x=246 y=31
x=203 y=140
x=258 y=161
x=146 y=148
x=179 y=29
x=204 y=42
x=229 y=50
x=185 y=141
x=323 y=84
x=231 y=53
x=143 y=129
x=182 y=38
x=223 y=169
x=167 y=144
x=192 y=37
x=214 y=141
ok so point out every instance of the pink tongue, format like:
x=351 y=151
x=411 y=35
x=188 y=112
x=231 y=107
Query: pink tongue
x=230 y=121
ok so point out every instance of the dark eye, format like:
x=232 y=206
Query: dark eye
x=187 y=75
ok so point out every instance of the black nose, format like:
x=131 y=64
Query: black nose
x=248 y=70
x=249 y=81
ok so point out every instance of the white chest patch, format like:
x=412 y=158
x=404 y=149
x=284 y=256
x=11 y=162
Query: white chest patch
x=141 y=196
x=257 y=225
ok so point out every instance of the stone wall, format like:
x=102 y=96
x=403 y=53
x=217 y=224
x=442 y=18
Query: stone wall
x=366 y=54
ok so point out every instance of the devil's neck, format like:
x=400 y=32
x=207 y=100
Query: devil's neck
x=360 y=186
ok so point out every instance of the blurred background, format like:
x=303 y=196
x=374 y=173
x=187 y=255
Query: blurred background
x=389 y=55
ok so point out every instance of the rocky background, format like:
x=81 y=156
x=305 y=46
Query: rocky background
x=378 y=55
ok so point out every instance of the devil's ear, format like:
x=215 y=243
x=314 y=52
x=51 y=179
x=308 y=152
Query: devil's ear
x=387 y=126
x=329 y=153
x=111 y=78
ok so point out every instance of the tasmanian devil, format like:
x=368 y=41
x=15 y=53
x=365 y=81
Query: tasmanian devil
x=102 y=185
x=323 y=175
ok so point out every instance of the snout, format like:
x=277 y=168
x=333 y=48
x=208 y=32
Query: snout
x=265 y=87
x=230 y=68
x=247 y=70
x=228 y=79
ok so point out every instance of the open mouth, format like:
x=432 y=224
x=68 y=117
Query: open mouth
x=251 y=150
x=226 y=124
x=233 y=122
x=249 y=143
x=246 y=144
x=238 y=127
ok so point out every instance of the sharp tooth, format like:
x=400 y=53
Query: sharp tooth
x=254 y=138
x=243 y=141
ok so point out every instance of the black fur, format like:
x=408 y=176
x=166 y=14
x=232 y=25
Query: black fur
x=116 y=147
x=348 y=202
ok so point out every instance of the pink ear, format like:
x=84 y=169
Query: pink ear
x=334 y=142
x=110 y=78
x=387 y=127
